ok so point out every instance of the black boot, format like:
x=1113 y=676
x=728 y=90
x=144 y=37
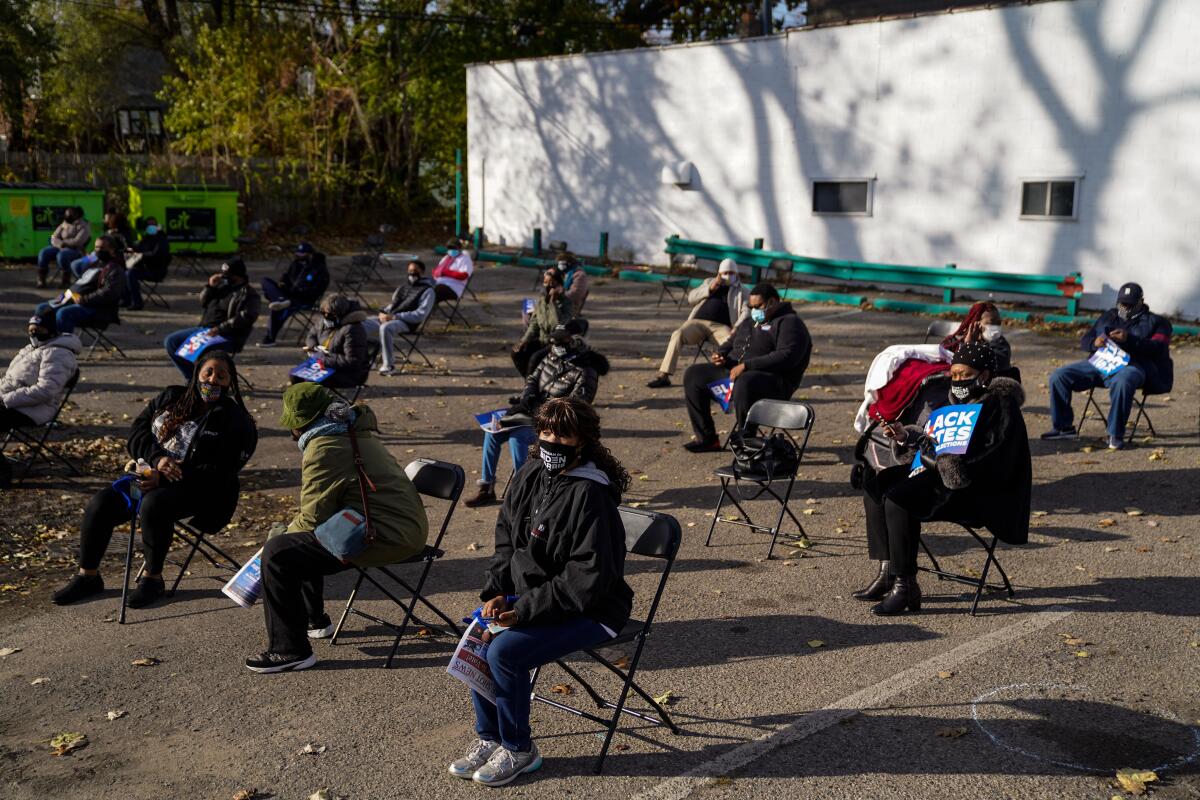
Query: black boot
x=146 y=592
x=905 y=596
x=879 y=587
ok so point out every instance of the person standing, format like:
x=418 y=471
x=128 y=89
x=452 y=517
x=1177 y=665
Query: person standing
x=718 y=306
x=1145 y=338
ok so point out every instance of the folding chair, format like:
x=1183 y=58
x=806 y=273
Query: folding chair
x=411 y=339
x=304 y=315
x=454 y=312
x=362 y=268
x=251 y=240
x=648 y=535
x=980 y=583
x=373 y=349
x=98 y=339
x=440 y=480
x=191 y=258
x=785 y=416
x=38 y=446
x=1139 y=402
x=782 y=268
x=677 y=279
x=939 y=329
x=152 y=295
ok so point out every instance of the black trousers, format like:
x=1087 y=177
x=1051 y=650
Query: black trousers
x=11 y=418
x=340 y=379
x=751 y=386
x=893 y=534
x=294 y=566
x=160 y=509
x=444 y=294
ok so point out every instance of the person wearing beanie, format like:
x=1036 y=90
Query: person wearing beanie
x=299 y=287
x=326 y=431
x=718 y=306
x=1142 y=336
x=988 y=486
x=230 y=307
x=452 y=273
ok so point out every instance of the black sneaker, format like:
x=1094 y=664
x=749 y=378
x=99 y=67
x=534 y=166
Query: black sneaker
x=146 y=592
x=265 y=343
x=320 y=628
x=1065 y=433
x=80 y=587
x=704 y=446
x=661 y=382
x=268 y=662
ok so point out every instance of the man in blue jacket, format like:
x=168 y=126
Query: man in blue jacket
x=301 y=286
x=1138 y=335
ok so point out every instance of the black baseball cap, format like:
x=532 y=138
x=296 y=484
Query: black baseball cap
x=1129 y=295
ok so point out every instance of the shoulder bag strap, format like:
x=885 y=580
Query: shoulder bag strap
x=363 y=482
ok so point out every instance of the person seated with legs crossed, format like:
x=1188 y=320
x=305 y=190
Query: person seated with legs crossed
x=411 y=304
x=718 y=306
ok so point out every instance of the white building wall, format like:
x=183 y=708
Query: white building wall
x=947 y=112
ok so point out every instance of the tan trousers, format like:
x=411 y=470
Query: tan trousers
x=692 y=333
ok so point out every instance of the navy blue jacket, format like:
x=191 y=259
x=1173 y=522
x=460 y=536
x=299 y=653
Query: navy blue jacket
x=1148 y=343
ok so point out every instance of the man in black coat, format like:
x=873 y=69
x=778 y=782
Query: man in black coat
x=230 y=307
x=765 y=358
x=148 y=259
x=300 y=286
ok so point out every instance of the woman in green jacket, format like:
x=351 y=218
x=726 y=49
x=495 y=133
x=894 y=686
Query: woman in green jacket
x=295 y=563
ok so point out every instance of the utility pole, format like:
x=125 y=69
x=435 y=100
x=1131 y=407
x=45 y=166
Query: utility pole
x=766 y=17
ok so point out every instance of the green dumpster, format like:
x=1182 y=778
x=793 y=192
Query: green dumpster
x=29 y=213
x=201 y=219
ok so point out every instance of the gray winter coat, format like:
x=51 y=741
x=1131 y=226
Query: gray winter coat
x=36 y=380
x=346 y=343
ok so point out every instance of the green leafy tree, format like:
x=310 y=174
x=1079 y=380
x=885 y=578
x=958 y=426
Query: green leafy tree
x=24 y=42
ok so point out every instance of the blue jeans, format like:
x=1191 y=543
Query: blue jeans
x=80 y=265
x=186 y=368
x=518 y=440
x=51 y=255
x=511 y=656
x=1081 y=376
x=68 y=316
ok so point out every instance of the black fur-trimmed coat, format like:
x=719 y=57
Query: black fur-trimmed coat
x=989 y=485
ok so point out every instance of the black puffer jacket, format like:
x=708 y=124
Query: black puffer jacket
x=780 y=344
x=231 y=310
x=560 y=546
x=576 y=374
x=990 y=484
x=346 y=342
x=224 y=441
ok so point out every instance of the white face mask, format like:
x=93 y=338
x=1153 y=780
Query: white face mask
x=992 y=332
x=730 y=277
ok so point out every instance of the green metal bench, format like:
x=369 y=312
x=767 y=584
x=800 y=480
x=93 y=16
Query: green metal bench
x=947 y=278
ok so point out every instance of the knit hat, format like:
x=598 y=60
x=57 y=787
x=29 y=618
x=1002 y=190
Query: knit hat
x=48 y=320
x=976 y=355
x=727 y=265
x=302 y=403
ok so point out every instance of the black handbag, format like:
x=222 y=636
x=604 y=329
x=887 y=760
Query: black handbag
x=758 y=458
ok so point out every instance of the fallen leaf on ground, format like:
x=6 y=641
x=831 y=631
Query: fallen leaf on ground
x=812 y=501
x=621 y=663
x=1134 y=512
x=1107 y=523
x=561 y=688
x=8 y=651
x=249 y=794
x=66 y=742
x=113 y=715
x=952 y=733
x=320 y=794
x=1134 y=781
x=1111 y=549
x=1152 y=523
x=643 y=477
x=473 y=546
x=808 y=512
x=802 y=543
x=1075 y=641
x=1082 y=654
x=620 y=747
x=1145 y=549
x=149 y=661
x=39 y=681
x=1087 y=449
x=425 y=632
x=945 y=673
x=815 y=643
x=665 y=699
x=1040 y=513
x=1157 y=455
x=311 y=749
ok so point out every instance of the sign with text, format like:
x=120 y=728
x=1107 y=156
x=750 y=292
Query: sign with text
x=46 y=218
x=311 y=371
x=196 y=344
x=191 y=224
x=722 y=391
x=951 y=427
x=1110 y=359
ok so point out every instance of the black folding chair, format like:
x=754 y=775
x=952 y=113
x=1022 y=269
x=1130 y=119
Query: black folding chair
x=373 y=349
x=360 y=271
x=1139 y=402
x=939 y=329
x=96 y=331
x=411 y=341
x=677 y=279
x=785 y=416
x=191 y=259
x=440 y=480
x=649 y=535
x=151 y=293
x=979 y=582
x=194 y=539
x=39 y=446
x=251 y=240
x=303 y=315
x=450 y=310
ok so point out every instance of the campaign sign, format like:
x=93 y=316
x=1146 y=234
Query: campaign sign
x=311 y=370
x=1109 y=359
x=527 y=305
x=245 y=586
x=951 y=427
x=489 y=421
x=196 y=344
x=723 y=392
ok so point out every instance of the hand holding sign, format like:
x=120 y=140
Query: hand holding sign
x=1110 y=359
x=951 y=427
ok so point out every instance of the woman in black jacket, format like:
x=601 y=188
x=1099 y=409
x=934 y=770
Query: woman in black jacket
x=988 y=486
x=196 y=438
x=556 y=581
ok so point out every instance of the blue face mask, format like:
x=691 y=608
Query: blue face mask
x=453 y=253
x=758 y=315
x=151 y=229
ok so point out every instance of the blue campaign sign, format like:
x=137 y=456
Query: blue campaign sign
x=951 y=427
x=311 y=370
x=1110 y=359
x=489 y=421
x=723 y=392
x=196 y=344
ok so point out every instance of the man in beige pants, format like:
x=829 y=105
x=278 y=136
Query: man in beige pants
x=718 y=305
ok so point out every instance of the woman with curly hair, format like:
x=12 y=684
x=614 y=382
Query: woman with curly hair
x=196 y=438
x=556 y=582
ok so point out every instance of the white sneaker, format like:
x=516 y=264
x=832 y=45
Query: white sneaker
x=386 y=371
x=279 y=305
x=475 y=758
x=322 y=633
x=505 y=766
x=1116 y=442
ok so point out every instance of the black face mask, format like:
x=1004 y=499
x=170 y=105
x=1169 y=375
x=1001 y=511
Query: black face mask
x=104 y=256
x=967 y=389
x=556 y=456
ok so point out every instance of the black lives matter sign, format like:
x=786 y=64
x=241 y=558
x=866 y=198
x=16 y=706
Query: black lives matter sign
x=191 y=224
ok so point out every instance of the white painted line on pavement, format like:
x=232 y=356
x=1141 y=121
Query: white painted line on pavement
x=875 y=696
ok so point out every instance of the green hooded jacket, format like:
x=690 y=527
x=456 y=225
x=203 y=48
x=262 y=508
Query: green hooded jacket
x=330 y=483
